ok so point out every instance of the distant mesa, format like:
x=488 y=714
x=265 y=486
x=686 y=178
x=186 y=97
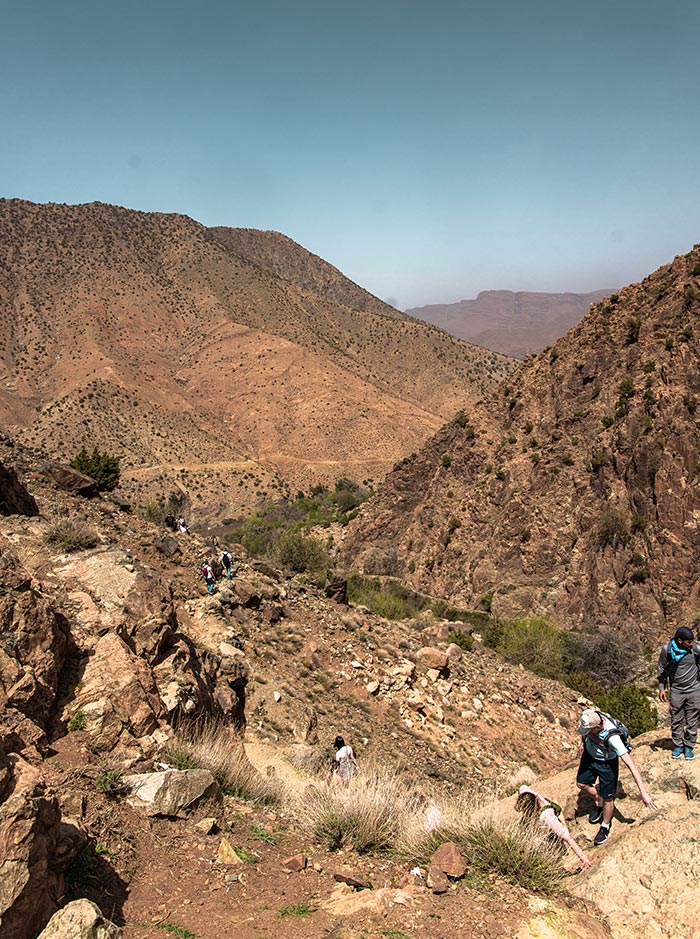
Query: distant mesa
x=512 y=323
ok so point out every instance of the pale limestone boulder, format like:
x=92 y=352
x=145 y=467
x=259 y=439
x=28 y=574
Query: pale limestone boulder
x=81 y=919
x=171 y=792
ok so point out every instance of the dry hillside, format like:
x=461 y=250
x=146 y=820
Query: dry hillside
x=574 y=491
x=151 y=336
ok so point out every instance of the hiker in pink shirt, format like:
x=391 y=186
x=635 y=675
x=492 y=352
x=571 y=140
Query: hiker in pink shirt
x=533 y=805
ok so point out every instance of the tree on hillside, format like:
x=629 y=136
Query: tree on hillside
x=102 y=467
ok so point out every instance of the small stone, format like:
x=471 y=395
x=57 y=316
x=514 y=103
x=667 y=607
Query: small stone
x=296 y=863
x=226 y=854
x=277 y=696
x=437 y=880
x=356 y=664
x=449 y=860
x=208 y=826
x=433 y=674
x=346 y=877
x=372 y=687
x=478 y=704
x=232 y=878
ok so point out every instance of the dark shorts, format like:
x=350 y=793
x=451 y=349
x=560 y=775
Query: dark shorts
x=606 y=771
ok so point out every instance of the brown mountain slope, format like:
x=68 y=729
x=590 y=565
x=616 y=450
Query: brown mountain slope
x=512 y=323
x=574 y=492
x=144 y=334
x=283 y=257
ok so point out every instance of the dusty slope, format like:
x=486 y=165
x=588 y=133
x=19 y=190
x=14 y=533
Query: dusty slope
x=574 y=491
x=144 y=334
x=123 y=638
x=509 y=322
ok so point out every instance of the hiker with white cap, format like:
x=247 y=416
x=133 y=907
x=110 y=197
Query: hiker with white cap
x=533 y=805
x=603 y=745
x=679 y=665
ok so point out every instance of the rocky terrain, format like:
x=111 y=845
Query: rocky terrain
x=225 y=365
x=514 y=323
x=573 y=491
x=106 y=651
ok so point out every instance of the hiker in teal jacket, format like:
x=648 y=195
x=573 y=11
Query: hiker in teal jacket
x=679 y=665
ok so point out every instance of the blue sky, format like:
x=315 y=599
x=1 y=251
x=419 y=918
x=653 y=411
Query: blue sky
x=428 y=149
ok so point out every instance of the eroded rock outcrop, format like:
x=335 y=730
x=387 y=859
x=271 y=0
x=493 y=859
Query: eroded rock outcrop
x=31 y=862
x=15 y=498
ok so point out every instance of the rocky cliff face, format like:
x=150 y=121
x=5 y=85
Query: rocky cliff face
x=573 y=491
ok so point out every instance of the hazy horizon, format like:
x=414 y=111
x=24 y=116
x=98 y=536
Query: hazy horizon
x=429 y=153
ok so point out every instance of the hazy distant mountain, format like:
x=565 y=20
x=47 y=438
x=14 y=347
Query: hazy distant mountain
x=508 y=322
x=228 y=363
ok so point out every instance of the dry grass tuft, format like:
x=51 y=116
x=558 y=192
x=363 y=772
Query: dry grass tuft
x=217 y=747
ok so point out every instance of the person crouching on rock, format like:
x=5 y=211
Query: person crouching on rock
x=534 y=806
x=601 y=750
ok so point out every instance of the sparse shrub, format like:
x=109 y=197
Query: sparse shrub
x=178 y=931
x=633 y=328
x=296 y=909
x=77 y=721
x=102 y=467
x=533 y=642
x=525 y=535
x=612 y=529
x=637 y=523
x=461 y=638
x=71 y=535
x=606 y=657
x=599 y=459
x=300 y=552
x=608 y=421
x=629 y=704
x=366 y=815
x=110 y=782
x=691 y=402
x=446 y=460
x=152 y=511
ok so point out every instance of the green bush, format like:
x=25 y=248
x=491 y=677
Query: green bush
x=102 y=467
x=629 y=704
x=300 y=552
x=533 y=642
x=461 y=638
x=77 y=721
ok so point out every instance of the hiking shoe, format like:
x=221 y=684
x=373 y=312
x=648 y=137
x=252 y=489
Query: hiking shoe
x=677 y=753
x=595 y=815
x=689 y=755
x=602 y=836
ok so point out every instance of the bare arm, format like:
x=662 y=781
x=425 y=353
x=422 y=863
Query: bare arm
x=643 y=791
x=577 y=851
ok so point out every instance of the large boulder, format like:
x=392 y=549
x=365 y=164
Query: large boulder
x=37 y=642
x=81 y=919
x=118 y=697
x=14 y=497
x=70 y=480
x=172 y=792
x=31 y=884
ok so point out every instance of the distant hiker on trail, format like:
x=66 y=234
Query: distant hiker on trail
x=217 y=568
x=679 y=665
x=534 y=806
x=602 y=747
x=226 y=562
x=208 y=575
x=182 y=526
x=170 y=522
x=345 y=762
